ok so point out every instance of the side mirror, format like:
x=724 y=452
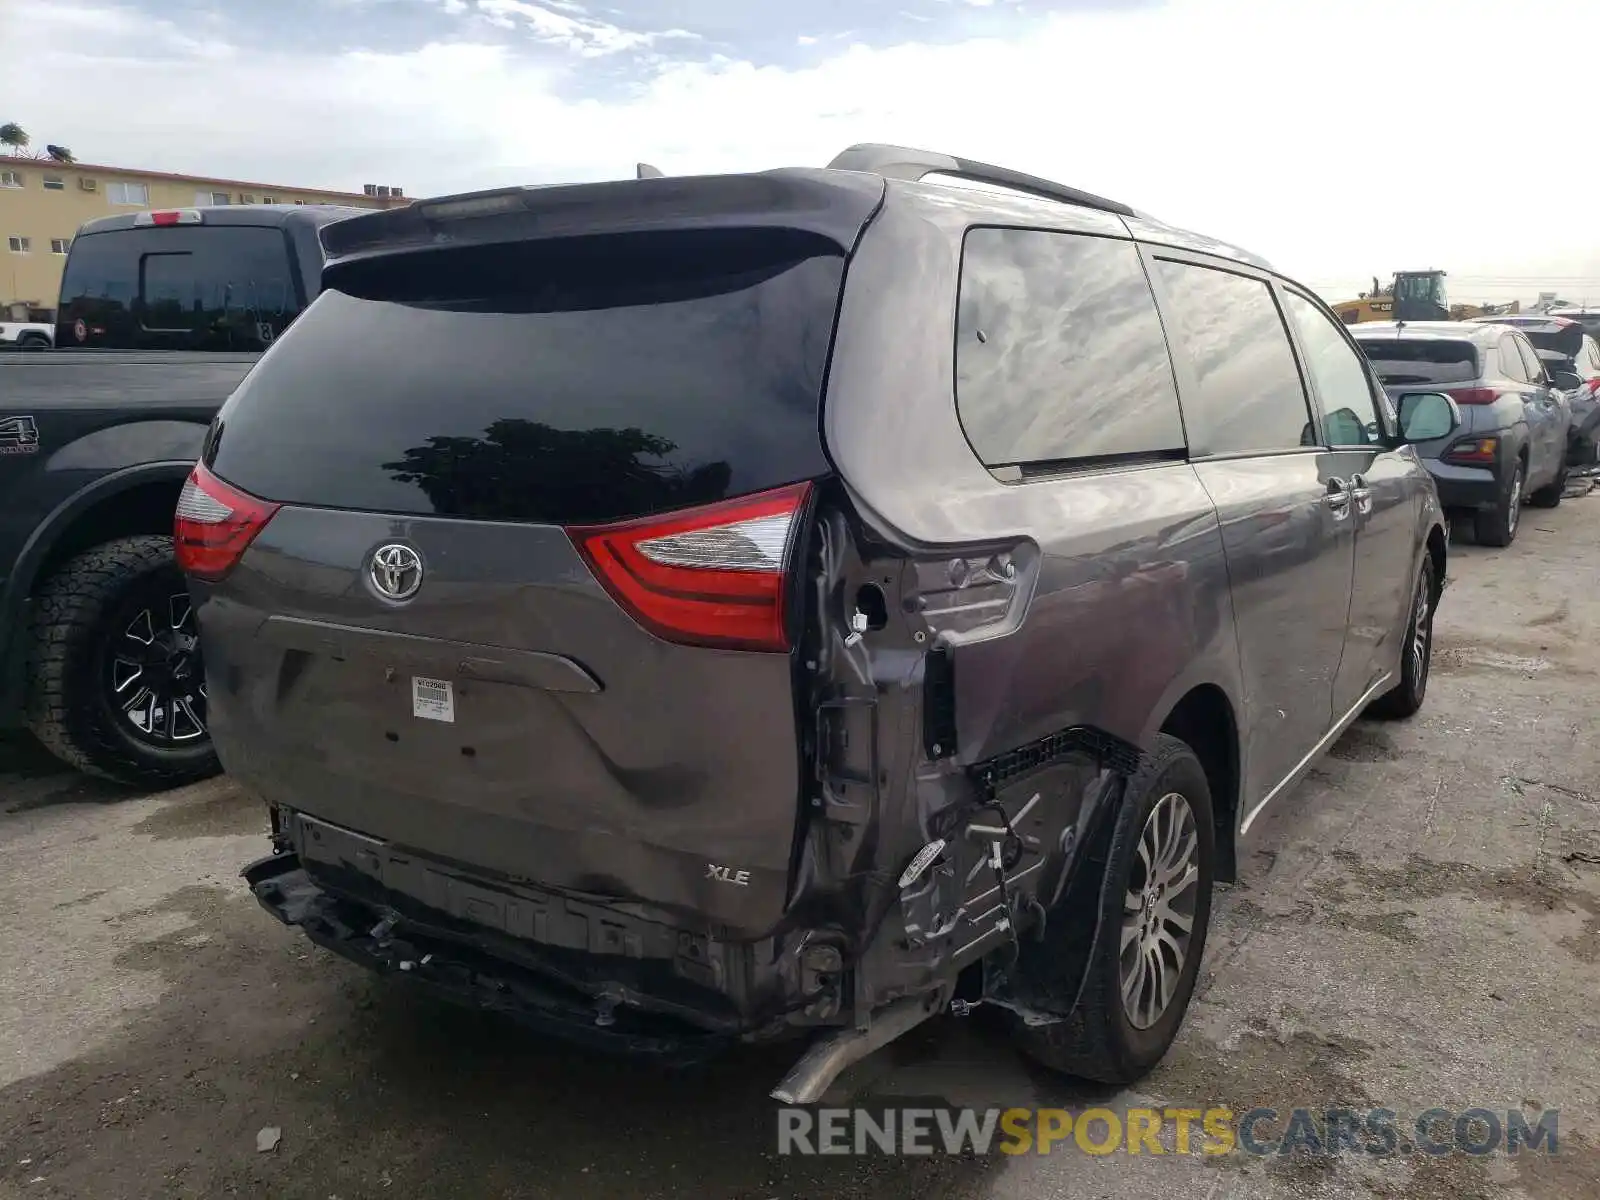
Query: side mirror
x=1567 y=381
x=1427 y=416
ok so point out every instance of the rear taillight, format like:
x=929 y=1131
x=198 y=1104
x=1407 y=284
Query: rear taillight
x=1474 y=452
x=711 y=576
x=214 y=524
x=1474 y=395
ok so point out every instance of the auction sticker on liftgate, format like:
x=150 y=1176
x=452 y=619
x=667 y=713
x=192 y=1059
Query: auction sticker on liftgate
x=433 y=699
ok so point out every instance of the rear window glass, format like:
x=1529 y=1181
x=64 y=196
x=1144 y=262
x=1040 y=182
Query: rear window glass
x=589 y=380
x=1422 y=360
x=1059 y=350
x=178 y=287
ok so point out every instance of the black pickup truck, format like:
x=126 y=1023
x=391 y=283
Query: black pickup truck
x=161 y=315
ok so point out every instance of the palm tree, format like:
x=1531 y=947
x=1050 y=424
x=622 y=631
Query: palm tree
x=14 y=137
x=60 y=154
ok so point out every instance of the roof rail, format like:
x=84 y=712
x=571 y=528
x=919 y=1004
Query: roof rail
x=901 y=162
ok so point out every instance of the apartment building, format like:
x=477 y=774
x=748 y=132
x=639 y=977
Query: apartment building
x=42 y=204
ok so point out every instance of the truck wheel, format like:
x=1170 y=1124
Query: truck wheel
x=1155 y=909
x=1498 y=526
x=115 y=682
x=33 y=341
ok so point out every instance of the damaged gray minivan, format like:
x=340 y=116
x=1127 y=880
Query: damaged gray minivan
x=679 y=612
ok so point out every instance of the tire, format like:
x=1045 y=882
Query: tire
x=1100 y=1040
x=1550 y=495
x=87 y=637
x=1498 y=526
x=1406 y=697
x=33 y=342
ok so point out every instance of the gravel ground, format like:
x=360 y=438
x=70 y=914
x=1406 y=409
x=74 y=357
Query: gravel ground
x=1420 y=926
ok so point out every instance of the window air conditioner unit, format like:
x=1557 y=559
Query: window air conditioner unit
x=87 y=184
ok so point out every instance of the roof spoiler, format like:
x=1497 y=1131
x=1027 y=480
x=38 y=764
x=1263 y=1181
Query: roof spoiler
x=903 y=162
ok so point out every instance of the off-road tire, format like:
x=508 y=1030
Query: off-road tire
x=1406 y=697
x=72 y=621
x=1498 y=526
x=1551 y=494
x=1097 y=1041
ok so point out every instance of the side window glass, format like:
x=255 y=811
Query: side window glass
x=1530 y=360
x=1511 y=364
x=1059 y=350
x=1341 y=376
x=1249 y=396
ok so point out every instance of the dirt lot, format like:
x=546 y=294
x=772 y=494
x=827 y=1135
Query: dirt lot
x=1420 y=927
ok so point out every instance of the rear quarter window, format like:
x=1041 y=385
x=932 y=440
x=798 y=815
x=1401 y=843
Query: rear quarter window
x=1059 y=351
x=1399 y=361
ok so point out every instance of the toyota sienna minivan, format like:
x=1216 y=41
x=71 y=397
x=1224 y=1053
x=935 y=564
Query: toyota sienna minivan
x=680 y=612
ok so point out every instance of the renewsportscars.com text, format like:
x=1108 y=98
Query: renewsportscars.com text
x=1214 y=1131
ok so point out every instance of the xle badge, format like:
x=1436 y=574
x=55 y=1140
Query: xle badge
x=727 y=875
x=18 y=435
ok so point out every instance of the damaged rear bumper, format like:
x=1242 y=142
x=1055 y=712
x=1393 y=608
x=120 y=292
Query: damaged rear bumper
x=452 y=968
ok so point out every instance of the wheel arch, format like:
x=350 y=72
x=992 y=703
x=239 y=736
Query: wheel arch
x=1205 y=719
x=134 y=500
x=119 y=504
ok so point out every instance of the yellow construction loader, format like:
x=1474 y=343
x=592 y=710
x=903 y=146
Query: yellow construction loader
x=1413 y=296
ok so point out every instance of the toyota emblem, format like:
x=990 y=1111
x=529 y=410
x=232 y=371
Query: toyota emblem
x=396 y=571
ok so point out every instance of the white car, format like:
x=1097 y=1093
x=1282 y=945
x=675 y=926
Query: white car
x=26 y=335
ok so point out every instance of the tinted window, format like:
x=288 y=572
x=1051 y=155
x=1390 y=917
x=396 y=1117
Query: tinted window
x=1059 y=351
x=187 y=287
x=1421 y=360
x=587 y=380
x=1250 y=397
x=1511 y=364
x=1349 y=415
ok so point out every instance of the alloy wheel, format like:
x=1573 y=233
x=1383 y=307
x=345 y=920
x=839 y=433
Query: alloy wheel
x=1158 y=910
x=155 y=674
x=1422 y=628
x=1515 y=512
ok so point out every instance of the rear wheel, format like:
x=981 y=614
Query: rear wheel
x=33 y=341
x=116 y=686
x=1406 y=697
x=1155 y=910
x=1498 y=526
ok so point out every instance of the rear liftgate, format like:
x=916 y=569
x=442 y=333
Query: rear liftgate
x=922 y=859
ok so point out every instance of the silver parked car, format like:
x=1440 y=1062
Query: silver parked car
x=681 y=612
x=1512 y=444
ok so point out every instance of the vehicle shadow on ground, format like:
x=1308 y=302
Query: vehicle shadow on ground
x=32 y=778
x=379 y=1091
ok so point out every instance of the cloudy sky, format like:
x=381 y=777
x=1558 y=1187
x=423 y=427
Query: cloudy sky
x=1339 y=138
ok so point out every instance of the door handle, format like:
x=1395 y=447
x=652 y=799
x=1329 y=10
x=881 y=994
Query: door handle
x=1338 y=499
x=1361 y=493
